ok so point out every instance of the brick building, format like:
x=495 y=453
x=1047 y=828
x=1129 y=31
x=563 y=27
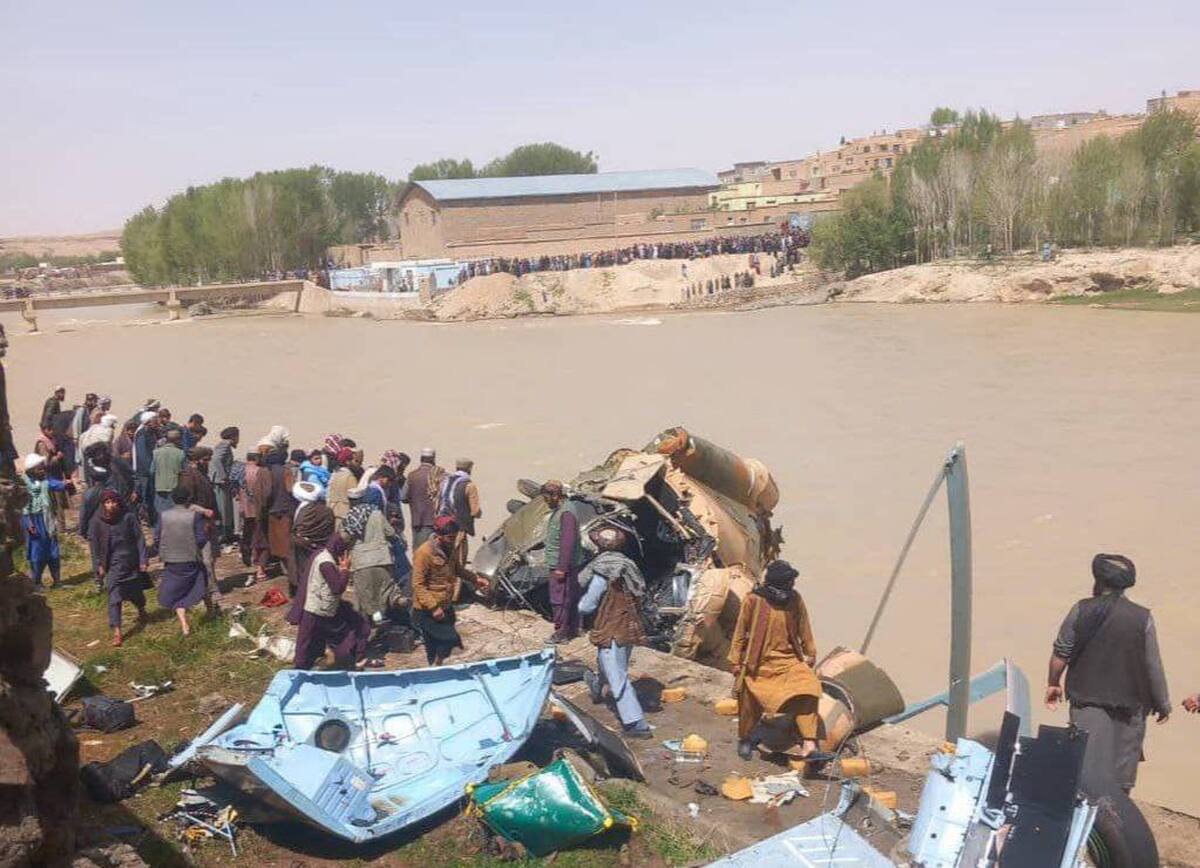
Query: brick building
x=552 y=214
x=760 y=182
x=1184 y=100
x=832 y=171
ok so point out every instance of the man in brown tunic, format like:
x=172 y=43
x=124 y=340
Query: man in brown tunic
x=438 y=582
x=421 y=495
x=615 y=587
x=773 y=654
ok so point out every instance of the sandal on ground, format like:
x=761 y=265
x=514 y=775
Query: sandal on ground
x=817 y=756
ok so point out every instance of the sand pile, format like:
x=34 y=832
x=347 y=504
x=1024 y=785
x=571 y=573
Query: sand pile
x=641 y=284
x=1073 y=273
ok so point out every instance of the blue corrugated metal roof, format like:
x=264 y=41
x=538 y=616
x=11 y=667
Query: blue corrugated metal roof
x=563 y=185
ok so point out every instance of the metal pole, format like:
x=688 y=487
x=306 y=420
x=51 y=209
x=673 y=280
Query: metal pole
x=959 y=501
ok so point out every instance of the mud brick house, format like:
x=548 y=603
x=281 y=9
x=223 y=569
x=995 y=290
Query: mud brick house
x=553 y=214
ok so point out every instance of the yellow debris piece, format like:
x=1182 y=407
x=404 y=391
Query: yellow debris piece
x=673 y=694
x=887 y=798
x=854 y=767
x=695 y=744
x=736 y=788
x=726 y=706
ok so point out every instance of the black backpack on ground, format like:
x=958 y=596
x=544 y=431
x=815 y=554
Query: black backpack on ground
x=107 y=714
x=115 y=780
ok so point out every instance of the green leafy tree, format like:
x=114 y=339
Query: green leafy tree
x=141 y=245
x=943 y=116
x=545 y=158
x=1187 y=206
x=869 y=234
x=442 y=169
x=1089 y=189
x=362 y=203
x=242 y=228
x=1163 y=140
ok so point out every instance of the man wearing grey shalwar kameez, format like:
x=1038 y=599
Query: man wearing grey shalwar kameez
x=615 y=587
x=1108 y=648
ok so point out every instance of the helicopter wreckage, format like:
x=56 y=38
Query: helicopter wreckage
x=700 y=517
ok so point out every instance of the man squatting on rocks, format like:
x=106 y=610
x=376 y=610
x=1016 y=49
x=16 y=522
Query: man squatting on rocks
x=1108 y=647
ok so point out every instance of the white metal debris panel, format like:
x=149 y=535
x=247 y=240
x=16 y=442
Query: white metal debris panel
x=823 y=842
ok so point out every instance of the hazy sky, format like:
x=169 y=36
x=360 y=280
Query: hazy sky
x=109 y=106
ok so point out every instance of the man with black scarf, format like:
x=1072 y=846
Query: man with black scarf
x=773 y=654
x=1108 y=648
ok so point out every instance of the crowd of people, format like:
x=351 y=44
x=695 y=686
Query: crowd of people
x=785 y=245
x=331 y=524
x=334 y=527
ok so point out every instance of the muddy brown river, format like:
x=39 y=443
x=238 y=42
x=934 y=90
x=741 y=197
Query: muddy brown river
x=1081 y=429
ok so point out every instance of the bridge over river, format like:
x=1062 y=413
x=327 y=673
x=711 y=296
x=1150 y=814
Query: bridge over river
x=175 y=298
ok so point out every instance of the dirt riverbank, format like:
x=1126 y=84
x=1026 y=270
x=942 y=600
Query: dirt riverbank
x=640 y=285
x=1073 y=273
x=660 y=285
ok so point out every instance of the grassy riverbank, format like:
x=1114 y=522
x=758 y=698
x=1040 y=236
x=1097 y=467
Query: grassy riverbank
x=1187 y=301
x=211 y=665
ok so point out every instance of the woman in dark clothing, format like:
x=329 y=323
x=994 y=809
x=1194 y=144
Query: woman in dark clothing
x=326 y=620
x=115 y=536
x=179 y=538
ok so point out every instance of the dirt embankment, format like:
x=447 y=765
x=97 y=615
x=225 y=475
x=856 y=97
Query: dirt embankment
x=638 y=285
x=1073 y=273
x=662 y=284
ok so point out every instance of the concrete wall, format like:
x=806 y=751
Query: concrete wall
x=525 y=225
x=421 y=227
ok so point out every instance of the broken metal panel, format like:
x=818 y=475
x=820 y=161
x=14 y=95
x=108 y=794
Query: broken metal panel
x=365 y=754
x=1043 y=798
x=218 y=726
x=823 y=842
x=619 y=759
x=949 y=801
x=1020 y=807
x=632 y=477
x=62 y=674
x=1006 y=748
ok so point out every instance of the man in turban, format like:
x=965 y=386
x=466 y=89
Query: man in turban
x=1108 y=648
x=564 y=558
x=421 y=495
x=39 y=520
x=615 y=588
x=773 y=653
